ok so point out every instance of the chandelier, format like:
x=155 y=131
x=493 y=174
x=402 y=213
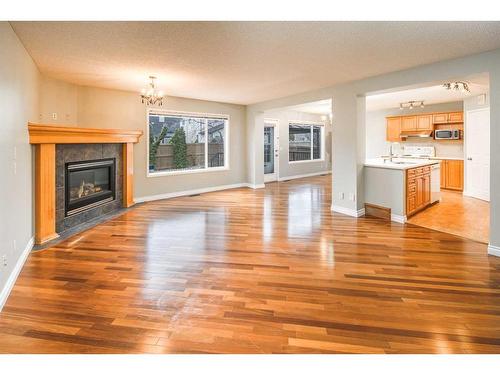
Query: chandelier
x=151 y=96
x=411 y=104
x=457 y=86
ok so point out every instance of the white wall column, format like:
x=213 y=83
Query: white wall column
x=494 y=246
x=348 y=152
x=255 y=149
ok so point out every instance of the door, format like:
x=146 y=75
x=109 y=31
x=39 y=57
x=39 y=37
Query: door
x=271 y=150
x=424 y=122
x=393 y=129
x=477 y=150
x=456 y=117
x=440 y=118
x=409 y=123
x=455 y=174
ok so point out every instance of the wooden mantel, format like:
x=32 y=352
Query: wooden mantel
x=45 y=137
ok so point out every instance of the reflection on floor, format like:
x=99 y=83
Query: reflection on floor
x=457 y=214
x=269 y=270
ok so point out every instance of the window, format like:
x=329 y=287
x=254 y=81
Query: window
x=183 y=143
x=305 y=141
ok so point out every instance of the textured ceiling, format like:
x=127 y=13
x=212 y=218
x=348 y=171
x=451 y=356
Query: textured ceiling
x=243 y=62
x=430 y=95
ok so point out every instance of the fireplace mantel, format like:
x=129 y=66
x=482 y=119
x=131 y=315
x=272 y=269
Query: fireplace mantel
x=45 y=137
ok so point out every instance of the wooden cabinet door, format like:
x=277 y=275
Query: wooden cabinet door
x=427 y=189
x=420 y=192
x=409 y=123
x=440 y=118
x=393 y=129
x=455 y=117
x=424 y=122
x=443 y=174
x=455 y=174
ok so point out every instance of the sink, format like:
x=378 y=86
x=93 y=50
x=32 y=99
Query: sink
x=402 y=162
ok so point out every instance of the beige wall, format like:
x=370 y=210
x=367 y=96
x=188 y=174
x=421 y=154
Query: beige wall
x=59 y=98
x=103 y=108
x=19 y=79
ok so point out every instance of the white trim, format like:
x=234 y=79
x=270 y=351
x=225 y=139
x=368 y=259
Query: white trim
x=4 y=294
x=311 y=124
x=399 y=218
x=183 y=193
x=348 y=211
x=174 y=113
x=494 y=250
x=286 y=178
x=254 y=186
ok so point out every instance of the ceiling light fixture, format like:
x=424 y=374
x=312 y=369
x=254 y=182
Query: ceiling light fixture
x=151 y=96
x=457 y=86
x=412 y=104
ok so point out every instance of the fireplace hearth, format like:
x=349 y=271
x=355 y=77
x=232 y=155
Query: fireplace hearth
x=89 y=184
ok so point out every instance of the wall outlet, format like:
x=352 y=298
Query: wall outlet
x=351 y=196
x=14 y=167
x=4 y=260
x=54 y=116
x=341 y=196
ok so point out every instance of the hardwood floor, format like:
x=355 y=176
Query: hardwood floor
x=255 y=271
x=457 y=214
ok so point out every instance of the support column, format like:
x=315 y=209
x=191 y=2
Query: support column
x=45 y=193
x=128 y=174
x=255 y=149
x=494 y=246
x=348 y=153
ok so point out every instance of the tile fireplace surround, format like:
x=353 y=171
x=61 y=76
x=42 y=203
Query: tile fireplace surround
x=56 y=145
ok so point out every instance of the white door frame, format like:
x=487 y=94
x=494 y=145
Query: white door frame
x=466 y=191
x=269 y=122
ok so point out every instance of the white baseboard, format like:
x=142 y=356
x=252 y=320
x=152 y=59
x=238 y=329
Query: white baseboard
x=494 y=250
x=303 y=175
x=183 y=193
x=348 y=211
x=4 y=294
x=254 y=186
x=398 y=218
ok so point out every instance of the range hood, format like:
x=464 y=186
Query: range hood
x=416 y=134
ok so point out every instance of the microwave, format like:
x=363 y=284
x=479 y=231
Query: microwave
x=447 y=134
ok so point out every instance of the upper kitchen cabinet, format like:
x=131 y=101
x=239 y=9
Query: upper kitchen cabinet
x=440 y=118
x=455 y=117
x=448 y=118
x=424 y=122
x=393 y=129
x=408 y=123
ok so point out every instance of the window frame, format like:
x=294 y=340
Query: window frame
x=165 y=112
x=311 y=124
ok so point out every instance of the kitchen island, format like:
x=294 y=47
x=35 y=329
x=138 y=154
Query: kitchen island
x=400 y=186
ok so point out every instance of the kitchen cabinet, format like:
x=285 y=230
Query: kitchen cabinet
x=440 y=118
x=393 y=129
x=455 y=117
x=452 y=174
x=408 y=123
x=418 y=189
x=424 y=122
x=448 y=118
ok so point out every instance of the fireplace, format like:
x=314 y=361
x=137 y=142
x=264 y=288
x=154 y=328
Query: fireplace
x=89 y=184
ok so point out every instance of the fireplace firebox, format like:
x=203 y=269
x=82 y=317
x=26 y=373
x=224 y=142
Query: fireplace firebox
x=89 y=184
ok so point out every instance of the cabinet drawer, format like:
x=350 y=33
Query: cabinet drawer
x=410 y=173
x=412 y=189
x=426 y=170
x=412 y=204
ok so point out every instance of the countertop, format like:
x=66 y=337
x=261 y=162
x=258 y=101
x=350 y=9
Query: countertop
x=427 y=157
x=406 y=164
